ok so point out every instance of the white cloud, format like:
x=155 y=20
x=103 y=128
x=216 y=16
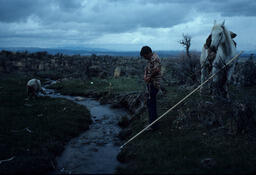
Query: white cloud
x=126 y=24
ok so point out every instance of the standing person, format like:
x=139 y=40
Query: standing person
x=152 y=77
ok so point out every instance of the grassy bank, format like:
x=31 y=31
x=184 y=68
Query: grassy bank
x=173 y=149
x=35 y=131
x=99 y=86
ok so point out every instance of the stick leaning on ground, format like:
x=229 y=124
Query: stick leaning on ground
x=235 y=57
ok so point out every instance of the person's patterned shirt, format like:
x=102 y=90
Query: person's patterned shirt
x=153 y=70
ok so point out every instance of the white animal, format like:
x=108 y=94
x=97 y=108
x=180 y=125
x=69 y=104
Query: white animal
x=34 y=87
x=225 y=50
x=204 y=69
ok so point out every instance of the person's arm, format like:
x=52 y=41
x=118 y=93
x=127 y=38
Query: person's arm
x=42 y=91
x=146 y=77
x=145 y=73
x=156 y=69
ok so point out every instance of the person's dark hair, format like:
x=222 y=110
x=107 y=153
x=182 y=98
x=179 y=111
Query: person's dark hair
x=145 y=50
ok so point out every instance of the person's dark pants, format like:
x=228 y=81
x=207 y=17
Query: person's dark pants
x=151 y=103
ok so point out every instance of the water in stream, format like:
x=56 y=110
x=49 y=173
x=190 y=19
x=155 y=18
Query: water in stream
x=94 y=151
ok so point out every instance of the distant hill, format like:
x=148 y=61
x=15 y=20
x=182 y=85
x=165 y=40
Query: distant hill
x=100 y=51
x=66 y=51
x=86 y=51
x=248 y=53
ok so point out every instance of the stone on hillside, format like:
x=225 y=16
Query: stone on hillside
x=208 y=162
x=103 y=74
x=243 y=117
x=124 y=121
x=117 y=72
x=97 y=71
x=94 y=70
x=28 y=105
x=79 y=98
x=124 y=134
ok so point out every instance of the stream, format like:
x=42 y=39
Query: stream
x=95 y=150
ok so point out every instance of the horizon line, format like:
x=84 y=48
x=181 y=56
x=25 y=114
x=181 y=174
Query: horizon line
x=103 y=49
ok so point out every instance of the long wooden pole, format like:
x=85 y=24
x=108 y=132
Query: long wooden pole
x=180 y=101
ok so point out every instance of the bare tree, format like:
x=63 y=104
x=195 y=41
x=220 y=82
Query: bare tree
x=189 y=63
x=186 y=42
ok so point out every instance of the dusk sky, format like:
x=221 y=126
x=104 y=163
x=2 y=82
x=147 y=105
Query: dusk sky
x=123 y=24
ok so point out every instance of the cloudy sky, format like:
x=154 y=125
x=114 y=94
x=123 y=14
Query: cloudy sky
x=123 y=24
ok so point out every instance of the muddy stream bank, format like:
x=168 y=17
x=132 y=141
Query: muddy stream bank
x=95 y=150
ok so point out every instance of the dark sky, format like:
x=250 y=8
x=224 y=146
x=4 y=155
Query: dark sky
x=122 y=24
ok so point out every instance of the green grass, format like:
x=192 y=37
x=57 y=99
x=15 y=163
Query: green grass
x=173 y=150
x=49 y=74
x=52 y=122
x=99 y=86
x=168 y=150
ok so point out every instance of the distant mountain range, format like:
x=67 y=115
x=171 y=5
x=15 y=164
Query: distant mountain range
x=86 y=51
x=98 y=51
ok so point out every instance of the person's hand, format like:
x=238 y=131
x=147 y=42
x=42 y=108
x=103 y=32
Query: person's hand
x=146 y=79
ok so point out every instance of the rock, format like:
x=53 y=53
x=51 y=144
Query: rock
x=116 y=105
x=28 y=105
x=125 y=156
x=100 y=143
x=103 y=74
x=121 y=157
x=208 y=162
x=124 y=121
x=79 y=98
x=94 y=149
x=117 y=72
x=86 y=143
x=103 y=100
x=242 y=117
x=40 y=115
x=124 y=134
x=208 y=103
x=95 y=70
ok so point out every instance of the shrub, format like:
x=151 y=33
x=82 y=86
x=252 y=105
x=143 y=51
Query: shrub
x=188 y=69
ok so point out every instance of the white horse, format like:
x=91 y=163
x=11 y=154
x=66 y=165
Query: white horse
x=224 y=48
